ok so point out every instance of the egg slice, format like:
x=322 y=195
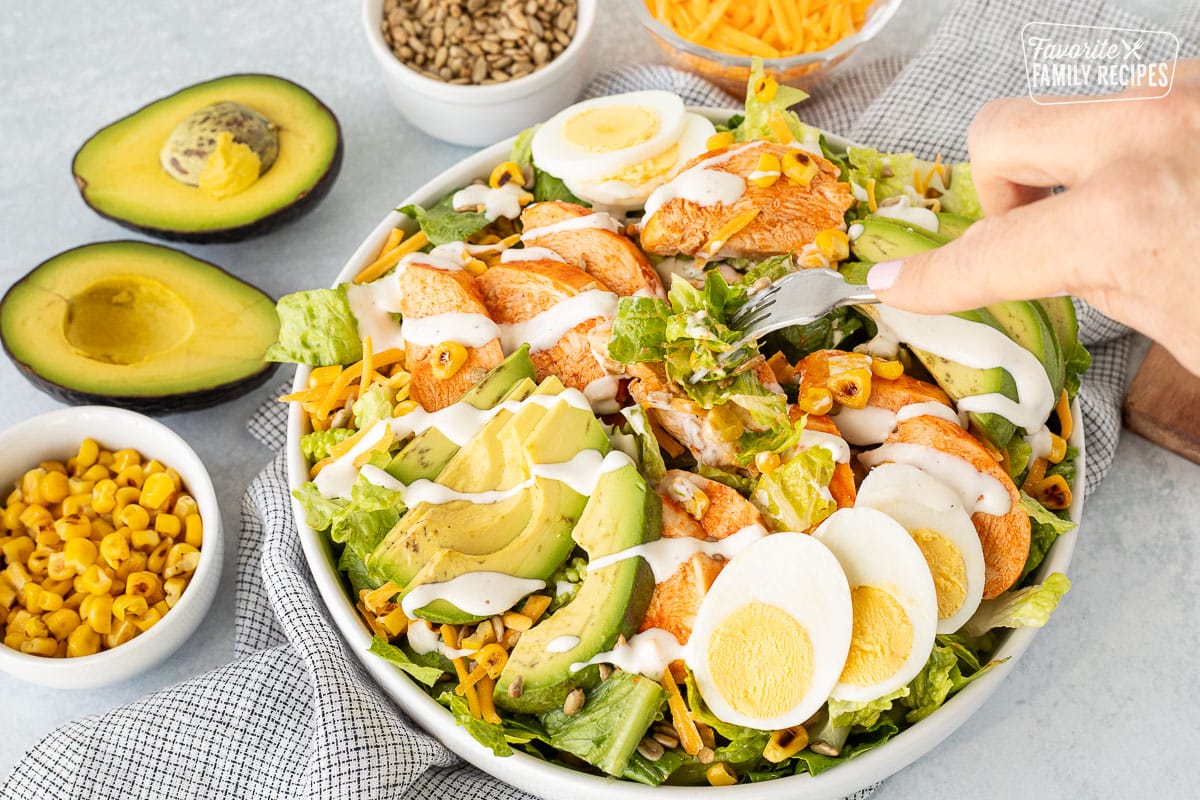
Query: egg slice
x=598 y=138
x=893 y=600
x=772 y=633
x=631 y=186
x=934 y=516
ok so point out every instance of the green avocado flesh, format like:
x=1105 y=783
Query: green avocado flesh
x=120 y=176
x=138 y=325
x=622 y=513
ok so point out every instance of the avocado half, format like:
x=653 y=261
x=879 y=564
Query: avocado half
x=119 y=174
x=138 y=325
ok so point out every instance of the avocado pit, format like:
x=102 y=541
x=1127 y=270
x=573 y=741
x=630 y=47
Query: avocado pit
x=126 y=319
x=221 y=148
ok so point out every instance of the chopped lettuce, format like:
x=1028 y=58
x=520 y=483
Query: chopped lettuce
x=769 y=269
x=316 y=327
x=487 y=734
x=1066 y=467
x=649 y=456
x=1077 y=364
x=1019 y=453
x=613 y=720
x=960 y=197
x=795 y=495
x=371 y=407
x=756 y=123
x=941 y=677
x=318 y=511
x=848 y=714
x=742 y=483
x=892 y=172
x=1019 y=608
x=442 y=224
x=426 y=676
x=546 y=187
x=372 y=512
x=316 y=445
x=1045 y=528
x=770 y=440
x=639 y=330
x=816 y=763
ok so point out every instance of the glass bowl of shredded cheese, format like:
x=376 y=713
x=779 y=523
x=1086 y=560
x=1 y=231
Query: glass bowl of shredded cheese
x=800 y=41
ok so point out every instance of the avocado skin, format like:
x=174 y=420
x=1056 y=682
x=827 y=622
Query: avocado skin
x=300 y=206
x=145 y=404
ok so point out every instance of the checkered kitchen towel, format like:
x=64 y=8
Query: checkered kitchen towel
x=294 y=715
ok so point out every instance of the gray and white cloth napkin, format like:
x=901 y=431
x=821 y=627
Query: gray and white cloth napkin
x=294 y=714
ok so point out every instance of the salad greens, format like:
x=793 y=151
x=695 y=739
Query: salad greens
x=316 y=327
x=442 y=224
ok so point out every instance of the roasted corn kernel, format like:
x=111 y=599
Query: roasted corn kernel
x=719 y=140
x=816 y=400
x=446 y=359
x=851 y=388
x=506 y=173
x=833 y=244
x=767 y=171
x=766 y=462
x=1053 y=492
x=888 y=370
x=764 y=88
x=784 y=744
x=799 y=167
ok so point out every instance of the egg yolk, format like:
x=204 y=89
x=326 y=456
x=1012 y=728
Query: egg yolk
x=602 y=130
x=231 y=168
x=881 y=638
x=655 y=167
x=761 y=660
x=948 y=567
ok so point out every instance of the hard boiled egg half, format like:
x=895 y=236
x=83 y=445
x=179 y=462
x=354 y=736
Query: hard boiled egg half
x=893 y=600
x=934 y=516
x=614 y=151
x=772 y=633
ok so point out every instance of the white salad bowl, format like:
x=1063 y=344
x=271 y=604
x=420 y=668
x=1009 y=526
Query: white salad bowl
x=548 y=780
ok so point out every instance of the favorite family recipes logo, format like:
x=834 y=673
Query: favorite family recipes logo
x=1086 y=64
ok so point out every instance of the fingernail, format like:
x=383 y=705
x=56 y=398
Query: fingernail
x=883 y=275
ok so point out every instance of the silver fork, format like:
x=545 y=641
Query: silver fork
x=795 y=299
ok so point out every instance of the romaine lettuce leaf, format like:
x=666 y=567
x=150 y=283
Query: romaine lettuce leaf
x=1045 y=528
x=795 y=495
x=1066 y=467
x=315 y=445
x=427 y=676
x=1078 y=363
x=848 y=714
x=316 y=327
x=941 y=677
x=372 y=512
x=442 y=224
x=487 y=734
x=960 y=198
x=742 y=483
x=756 y=123
x=318 y=511
x=649 y=456
x=1019 y=608
x=371 y=407
x=639 y=330
x=815 y=763
x=892 y=172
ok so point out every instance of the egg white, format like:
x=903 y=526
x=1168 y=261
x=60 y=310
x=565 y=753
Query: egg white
x=564 y=159
x=916 y=499
x=876 y=551
x=798 y=575
x=622 y=195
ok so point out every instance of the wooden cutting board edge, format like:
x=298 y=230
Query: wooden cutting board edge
x=1163 y=404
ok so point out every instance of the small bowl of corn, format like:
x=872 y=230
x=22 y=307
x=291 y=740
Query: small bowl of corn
x=110 y=546
x=800 y=42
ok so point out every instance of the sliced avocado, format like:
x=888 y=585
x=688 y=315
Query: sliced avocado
x=138 y=325
x=554 y=509
x=429 y=452
x=119 y=173
x=483 y=465
x=952 y=226
x=884 y=239
x=1060 y=312
x=960 y=381
x=610 y=603
x=1026 y=324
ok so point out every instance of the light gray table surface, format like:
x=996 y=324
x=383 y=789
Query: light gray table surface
x=1102 y=705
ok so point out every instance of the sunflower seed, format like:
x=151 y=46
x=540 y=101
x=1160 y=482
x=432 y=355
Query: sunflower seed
x=517 y=687
x=650 y=749
x=574 y=702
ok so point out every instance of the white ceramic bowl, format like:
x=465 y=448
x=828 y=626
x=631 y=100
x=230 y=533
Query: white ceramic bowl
x=480 y=115
x=56 y=436
x=551 y=781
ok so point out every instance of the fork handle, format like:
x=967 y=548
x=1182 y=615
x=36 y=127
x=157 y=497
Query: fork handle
x=857 y=295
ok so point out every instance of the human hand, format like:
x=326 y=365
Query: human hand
x=1124 y=237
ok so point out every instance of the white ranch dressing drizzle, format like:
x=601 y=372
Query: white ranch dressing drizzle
x=562 y=644
x=835 y=445
x=449 y=257
x=666 y=555
x=931 y=408
x=647 y=653
x=372 y=305
x=871 y=425
x=543 y=330
x=583 y=471
x=458 y=423
x=903 y=210
x=700 y=185
x=504 y=201
x=602 y=394
x=597 y=219
x=979 y=491
x=1040 y=443
x=975 y=345
x=432 y=493
x=759 y=174
x=469 y=330
x=424 y=639
x=854 y=231
x=481 y=594
x=530 y=254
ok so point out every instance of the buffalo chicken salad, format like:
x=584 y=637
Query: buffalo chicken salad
x=599 y=528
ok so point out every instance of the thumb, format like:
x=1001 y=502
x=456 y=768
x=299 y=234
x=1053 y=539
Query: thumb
x=1030 y=251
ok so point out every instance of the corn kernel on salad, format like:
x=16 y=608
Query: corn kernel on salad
x=573 y=504
x=94 y=551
